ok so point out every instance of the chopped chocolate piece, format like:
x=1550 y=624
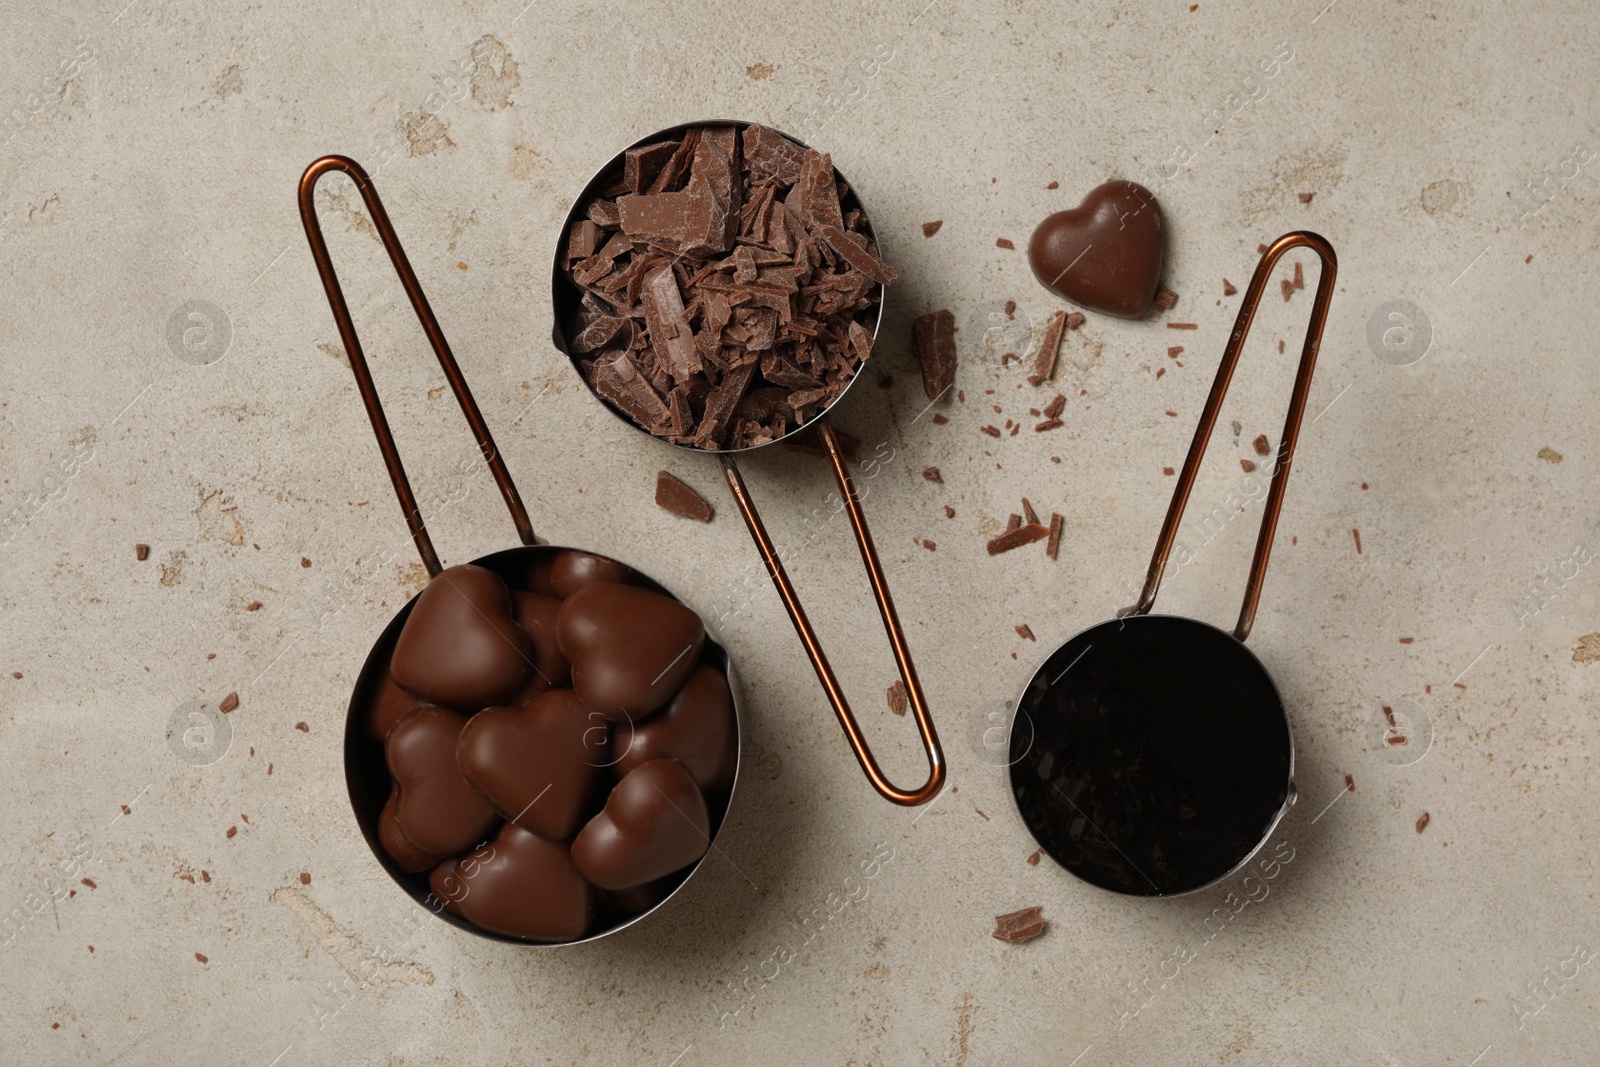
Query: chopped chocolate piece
x=1019 y=926
x=698 y=220
x=1182 y=326
x=141 y=552
x=931 y=228
x=1261 y=445
x=228 y=703
x=1033 y=859
x=1075 y=319
x=853 y=247
x=1054 y=544
x=992 y=431
x=1013 y=521
x=254 y=605
x=1011 y=309
x=1305 y=198
x=939 y=419
x=932 y=474
x=1047 y=424
x=1027 y=511
x=933 y=343
x=818 y=196
x=949 y=512
x=583 y=241
x=1166 y=299
x=1422 y=822
x=897 y=697
x=772 y=155
x=1357 y=534
x=1022 y=535
x=1057 y=404
x=1299 y=277
x=1261 y=250
x=1248 y=465
x=929 y=545
x=1044 y=364
x=676 y=496
x=1174 y=351
x=620 y=382
x=1004 y=242
x=641 y=165
x=1025 y=632
x=1228 y=288
x=670 y=336
x=1286 y=287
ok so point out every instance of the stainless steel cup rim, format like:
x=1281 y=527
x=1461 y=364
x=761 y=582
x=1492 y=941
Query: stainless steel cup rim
x=1198 y=626
x=361 y=750
x=563 y=298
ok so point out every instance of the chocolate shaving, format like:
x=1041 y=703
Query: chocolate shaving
x=1228 y=288
x=1028 y=513
x=1022 y=535
x=931 y=228
x=1019 y=926
x=676 y=496
x=1025 y=632
x=1044 y=364
x=1057 y=404
x=1013 y=521
x=1053 y=545
x=933 y=343
x=1166 y=299
x=1422 y=821
x=1003 y=242
x=897 y=698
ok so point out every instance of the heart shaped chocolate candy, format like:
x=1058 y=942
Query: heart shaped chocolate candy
x=631 y=649
x=537 y=616
x=434 y=806
x=1106 y=253
x=461 y=648
x=403 y=852
x=388 y=705
x=697 y=729
x=520 y=885
x=655 y=822
x=538 y=763
x=573 y=570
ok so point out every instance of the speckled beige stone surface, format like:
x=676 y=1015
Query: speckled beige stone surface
x=173 y=378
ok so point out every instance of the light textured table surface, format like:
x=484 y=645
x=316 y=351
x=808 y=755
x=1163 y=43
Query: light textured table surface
x=173 y=377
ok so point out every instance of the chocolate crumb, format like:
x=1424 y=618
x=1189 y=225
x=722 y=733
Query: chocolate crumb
x=232 y=830
x=88 y=882
x=1388 y=713
x=1028 y=514
x=1305 y=198
x=1350 y=783
x=1033 y=860
x=1287 y=288
x=1228 y=288
x=1055 y=407
x=201 y=957
x=1357 y=534
x=1019 y=926
x=1013 y=521
x=302 y=727
x=205 y=876
x=1422 y=822
x=931 y=228
x=932 y=474
x=1174 y=351
x=1053 y=185
x=1396 y=740
x=305 y=877
x=940 y=419
x=992 y=431
x=228 y=703
x=1299 y=277
x=1183 y=326
x=1075 y=319
x=1247 y=465
x=254 y=605
x=141 y=552
x=1011 y=309
x=929 y=544
x=1054 y=544
x=981 y=815
x=1025 y=632
x=1261 y=250
x=949 y=512
x=1168 y=471
x=1261 y=445
x=897 y=697
x=125 y=809
x=1280 y=347
x=304 y=562
x=1044 y=364
x=1407 y=640
x=16 y=674
x=1022 y=535
x=1048 y=424
x=676 y=496
x=1166 y=299
x=1003 y=242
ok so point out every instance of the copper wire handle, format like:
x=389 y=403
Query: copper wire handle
x=891 y=624
x=1291 y=424
x=430 y=326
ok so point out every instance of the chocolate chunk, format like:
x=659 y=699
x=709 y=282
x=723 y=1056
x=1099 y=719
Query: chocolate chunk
x=933 y=342
x=1305 y=198
x=1004 y=242
x=772 y=155
x=1057 y=405
x=461 y=647
x=228 y=703
x=1261 y=445
x=641 y=165
x=1025 y=632
x=655 y=822
x=619 y=381
x=932 y=474
x=630 y=649
x=1106 y=254
x=679 y=498
x=697 y=728
x=1022 y=535
x=1422 y=821
x=434 y=806
x=853 y=247
x=519 y=884
x=141 y=552
x=1228 y=288
x=537 y=764
x=1044 y=364
x=1013 y=522
x=931 y=228
x=1019 y=926
x=1028 y=514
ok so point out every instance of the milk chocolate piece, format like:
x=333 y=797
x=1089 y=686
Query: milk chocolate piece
x=538 y=763
x=1044 y=364
x=573 y=570
x=388 y=705
x=1019 y=926
x=933 y=342
x=631 y=649
x=655 y=822
x=772 y=155
x=408 y=856
x=1017 y=537
x=434 y=806
x=678 y=497
x=520 y=885
x=548 y=668
x=461 y=648
x=697 y=729
x=1106 y=253
x=641 y=165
